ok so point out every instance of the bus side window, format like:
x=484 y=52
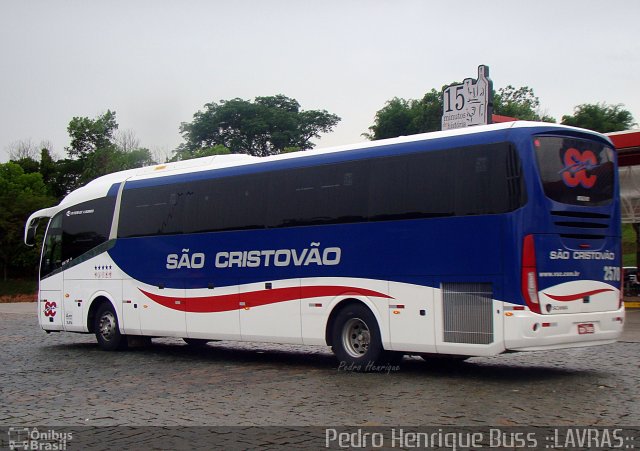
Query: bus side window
x=154 y=210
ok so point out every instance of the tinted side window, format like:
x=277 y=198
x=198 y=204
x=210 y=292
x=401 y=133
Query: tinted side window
x=466 y=181
x=328 y=194
x=233 y=203
x=487 y=180
x=155 y=210
x=86 y=225
x=411 y=186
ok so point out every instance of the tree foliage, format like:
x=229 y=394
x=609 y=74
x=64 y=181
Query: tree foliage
x=27 y=184
x=95 y=150
x=266 y=126
x=20 y=194
x=218 y=149
x=521 y=103
x=407 y=117
x=89 y=136
x=600 y=117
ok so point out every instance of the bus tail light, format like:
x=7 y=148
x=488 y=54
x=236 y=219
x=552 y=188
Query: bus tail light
x=529 y=279
x=621 y=286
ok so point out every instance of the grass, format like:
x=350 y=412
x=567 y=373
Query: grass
x=628 y=245
x=16 y=287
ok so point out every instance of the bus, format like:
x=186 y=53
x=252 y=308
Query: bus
x=460 y=243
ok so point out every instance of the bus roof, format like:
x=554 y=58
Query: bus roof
x=102 y=186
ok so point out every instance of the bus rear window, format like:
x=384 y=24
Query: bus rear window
x=575 y=171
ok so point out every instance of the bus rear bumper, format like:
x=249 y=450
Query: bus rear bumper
x=528 y=331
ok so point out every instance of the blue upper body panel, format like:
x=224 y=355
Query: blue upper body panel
x=484 y=248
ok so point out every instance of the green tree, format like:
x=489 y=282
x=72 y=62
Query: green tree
x=65 y=177
x=134 y=158
x=48 y=169
x=266 y=126
x=20 y=194
x=91 y=135
x=95 y=150
x=218 y=149
x=28 y=164
x=600 y=117
x=407 y=117
x=521 y=103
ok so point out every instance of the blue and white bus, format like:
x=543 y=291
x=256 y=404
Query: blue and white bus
x=468 y=242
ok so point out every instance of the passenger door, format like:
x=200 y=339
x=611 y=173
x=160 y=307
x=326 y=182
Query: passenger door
x=50 y=309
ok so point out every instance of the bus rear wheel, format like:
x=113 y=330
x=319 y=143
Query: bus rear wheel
x=356 y=338
x=107 y=329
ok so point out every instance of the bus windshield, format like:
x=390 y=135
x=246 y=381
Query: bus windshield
x=575 y=171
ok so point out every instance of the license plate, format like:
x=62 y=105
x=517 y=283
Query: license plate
x=586 y=328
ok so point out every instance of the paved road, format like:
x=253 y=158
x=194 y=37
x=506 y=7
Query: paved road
x=64 y=379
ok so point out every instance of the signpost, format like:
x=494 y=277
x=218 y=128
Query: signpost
x=469 y=103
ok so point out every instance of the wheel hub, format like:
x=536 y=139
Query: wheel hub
x=107 y=326
x=356 y=337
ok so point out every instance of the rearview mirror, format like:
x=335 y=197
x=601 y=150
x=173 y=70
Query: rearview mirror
x=30 y=236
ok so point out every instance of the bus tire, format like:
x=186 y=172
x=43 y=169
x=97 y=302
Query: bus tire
x=356 y=338
x=107 y=329
x=196 y=342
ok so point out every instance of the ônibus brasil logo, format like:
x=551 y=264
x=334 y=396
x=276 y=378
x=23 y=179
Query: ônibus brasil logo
x=576 y=166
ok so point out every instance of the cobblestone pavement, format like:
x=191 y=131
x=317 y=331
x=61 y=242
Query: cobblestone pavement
x=64 y=379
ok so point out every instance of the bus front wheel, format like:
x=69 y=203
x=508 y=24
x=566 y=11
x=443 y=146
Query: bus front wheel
x=107 y=329
x=356 y=338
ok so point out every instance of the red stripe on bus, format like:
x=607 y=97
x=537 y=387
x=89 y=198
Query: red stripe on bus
x=228 y=302
x=573 y=297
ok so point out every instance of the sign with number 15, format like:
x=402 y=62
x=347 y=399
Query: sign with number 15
x=468 y=103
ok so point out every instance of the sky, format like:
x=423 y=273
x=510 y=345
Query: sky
x=155 y=63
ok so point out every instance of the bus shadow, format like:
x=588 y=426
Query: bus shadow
x=477 y=368
x=495 y=371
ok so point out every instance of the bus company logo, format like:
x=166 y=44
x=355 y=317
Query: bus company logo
x=309 y=256
x=50 y=309
x=185 y=260
x=576 y=166
x=313 y=255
